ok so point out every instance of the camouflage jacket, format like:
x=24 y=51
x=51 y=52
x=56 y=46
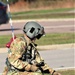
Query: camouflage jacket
x=18 y=48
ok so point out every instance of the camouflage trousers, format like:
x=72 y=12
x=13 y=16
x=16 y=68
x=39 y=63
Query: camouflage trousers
x=14 y=72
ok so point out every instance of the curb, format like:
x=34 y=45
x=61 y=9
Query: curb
x=56 y=47
x=64 y=69
x=46 y=47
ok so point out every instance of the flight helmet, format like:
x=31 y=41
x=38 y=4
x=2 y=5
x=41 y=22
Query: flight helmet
x=33 y=30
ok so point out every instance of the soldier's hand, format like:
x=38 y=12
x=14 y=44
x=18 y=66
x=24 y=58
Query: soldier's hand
x=56 y=73
x=33 y=68
x=27 y=68
x=40 y=64
x=30 y=67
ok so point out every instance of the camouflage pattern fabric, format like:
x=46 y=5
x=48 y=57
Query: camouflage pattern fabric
x=17 y=49
x=23 y=73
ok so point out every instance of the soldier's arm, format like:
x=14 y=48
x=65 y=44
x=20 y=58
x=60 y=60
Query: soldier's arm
x=17 y=49
x=45 y=68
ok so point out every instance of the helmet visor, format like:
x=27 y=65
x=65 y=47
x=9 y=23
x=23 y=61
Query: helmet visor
x=41 y=33
x=39 y=36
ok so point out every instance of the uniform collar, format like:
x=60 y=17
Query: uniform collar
x=27 y=40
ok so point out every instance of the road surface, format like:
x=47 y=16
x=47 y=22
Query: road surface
x=51 y=26
x=63 y=58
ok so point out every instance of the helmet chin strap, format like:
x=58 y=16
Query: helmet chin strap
x=10 y=19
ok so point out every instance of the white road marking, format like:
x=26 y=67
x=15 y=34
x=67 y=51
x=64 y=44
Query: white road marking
x=63 y=68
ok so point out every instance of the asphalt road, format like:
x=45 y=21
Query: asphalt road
x=63 y=58
x=51 y=26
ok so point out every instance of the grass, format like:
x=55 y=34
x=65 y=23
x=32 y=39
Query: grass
x=44 y=11
x=67 y=72
x=45 y=15
x=64 y=72
x=36 y=14
x=49 y=39
x=59 y=38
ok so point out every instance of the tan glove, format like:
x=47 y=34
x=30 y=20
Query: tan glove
x=27 y=68
x=31 y=67
x=56 y=73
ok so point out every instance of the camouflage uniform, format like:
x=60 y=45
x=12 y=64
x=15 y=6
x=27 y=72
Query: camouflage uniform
x=23 y=53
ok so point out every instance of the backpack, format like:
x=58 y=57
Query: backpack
x=12 y=39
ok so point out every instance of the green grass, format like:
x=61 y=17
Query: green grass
x=59 y=38
x=64 y=72
x=44 y=11
x=67 y=72
x=49 y=39
x=37 y=14
x=45 y=16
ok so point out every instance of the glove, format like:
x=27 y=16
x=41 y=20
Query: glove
x=40 y=64
x=27 y=68
x=31 y=68
x=56 y=73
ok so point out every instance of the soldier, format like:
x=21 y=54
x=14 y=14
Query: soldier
x=23 y=57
